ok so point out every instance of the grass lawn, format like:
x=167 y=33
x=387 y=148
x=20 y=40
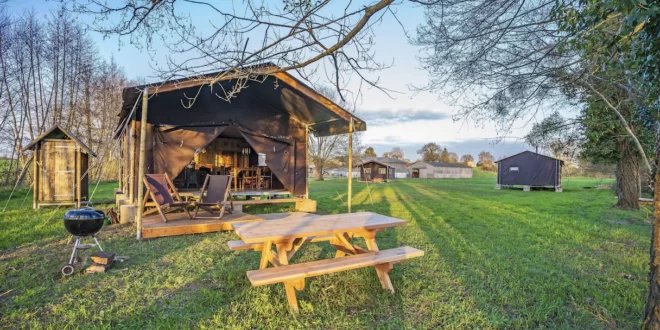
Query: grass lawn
x=494 y=259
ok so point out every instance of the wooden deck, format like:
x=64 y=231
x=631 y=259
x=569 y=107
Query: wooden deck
x=179 y=224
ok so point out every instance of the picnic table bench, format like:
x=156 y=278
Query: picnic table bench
x=288 y=235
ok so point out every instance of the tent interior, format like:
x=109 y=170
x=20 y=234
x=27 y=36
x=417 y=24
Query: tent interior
x=230 y=154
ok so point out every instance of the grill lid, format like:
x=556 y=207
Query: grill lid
x=84 y=214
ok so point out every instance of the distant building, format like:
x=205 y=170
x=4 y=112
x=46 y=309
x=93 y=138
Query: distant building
x=399 y=165
x=529 y=169
x=439 y=170
x=376 y=171
x=342 y=171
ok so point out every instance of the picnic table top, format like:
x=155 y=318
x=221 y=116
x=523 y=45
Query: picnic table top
x=287 y=228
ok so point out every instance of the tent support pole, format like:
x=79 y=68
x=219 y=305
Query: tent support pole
x=350 y=164
x=143 y=147
x=131 y=162
x=121 y=160
x=306 y=161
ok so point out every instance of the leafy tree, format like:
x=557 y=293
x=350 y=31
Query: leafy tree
x=444 y=156
x=486 y=161
x=453 y=157
x=465 y=159
x=430 y=152
x=369 y=152
x=396 y=152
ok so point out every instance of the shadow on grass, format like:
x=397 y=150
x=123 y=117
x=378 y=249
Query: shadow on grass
x=507 y=258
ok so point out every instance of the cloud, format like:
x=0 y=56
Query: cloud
x=382 y=117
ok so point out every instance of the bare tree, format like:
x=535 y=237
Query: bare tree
x=50 y=73
x=307 y=37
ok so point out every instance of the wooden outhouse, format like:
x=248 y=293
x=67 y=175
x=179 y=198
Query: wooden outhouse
x=60 y=162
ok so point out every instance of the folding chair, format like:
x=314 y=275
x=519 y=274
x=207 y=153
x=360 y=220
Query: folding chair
x=214 y=193
x=160 y=189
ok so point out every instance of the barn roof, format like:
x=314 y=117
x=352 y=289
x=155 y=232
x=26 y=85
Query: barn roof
x=323 y=116
x=53 y=131
x=374 y=161
x=384 y=160
x=442 y=164
x=531 y=152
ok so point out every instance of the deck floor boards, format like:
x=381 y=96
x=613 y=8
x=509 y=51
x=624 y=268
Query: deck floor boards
x=179 y=224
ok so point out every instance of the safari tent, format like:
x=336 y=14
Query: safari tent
x=259 y=135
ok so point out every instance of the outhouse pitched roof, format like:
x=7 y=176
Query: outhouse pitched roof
x=55 y=129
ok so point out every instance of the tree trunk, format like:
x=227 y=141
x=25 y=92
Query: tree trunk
x=627 y=183
x=318 y=173
x=652 y=310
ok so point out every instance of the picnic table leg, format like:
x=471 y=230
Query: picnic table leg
x=265 y=253
x=383 y=275
x=290 y=288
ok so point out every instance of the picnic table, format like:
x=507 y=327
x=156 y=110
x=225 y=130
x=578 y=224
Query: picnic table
x=289 y=234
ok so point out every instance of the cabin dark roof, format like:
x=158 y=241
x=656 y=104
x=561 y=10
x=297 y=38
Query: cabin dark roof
x=290 y=95
x=54 y=130
x=531 y=152
x=384 y=160
x=374 y=161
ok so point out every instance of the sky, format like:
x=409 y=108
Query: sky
x=407 y=120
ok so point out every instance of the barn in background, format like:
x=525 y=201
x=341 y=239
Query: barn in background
x=529 y=169
x=374 y=171
x=60 y=168
x=439 y=170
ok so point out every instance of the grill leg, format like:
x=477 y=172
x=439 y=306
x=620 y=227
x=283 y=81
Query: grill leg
x=97 y=243
x=75 y=249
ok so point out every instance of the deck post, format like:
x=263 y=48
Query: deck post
x=142 y=161
x=121 y=160
x=350 y=164
x=306 y=162
x=131 y=161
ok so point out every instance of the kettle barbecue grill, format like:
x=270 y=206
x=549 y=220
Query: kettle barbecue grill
x=82 y=223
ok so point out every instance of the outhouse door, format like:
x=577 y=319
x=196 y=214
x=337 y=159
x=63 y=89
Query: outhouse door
x=58 y=163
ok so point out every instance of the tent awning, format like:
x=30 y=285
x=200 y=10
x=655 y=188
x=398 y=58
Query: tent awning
x=279 y=91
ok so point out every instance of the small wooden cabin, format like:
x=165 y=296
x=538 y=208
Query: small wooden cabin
x=376 y=171
x=529 y=169
x=60 y=162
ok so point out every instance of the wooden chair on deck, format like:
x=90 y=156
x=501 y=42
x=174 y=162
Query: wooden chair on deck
x=160 y=189
x=214 y=193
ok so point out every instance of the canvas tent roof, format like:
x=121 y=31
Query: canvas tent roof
x=278 y=90
x=52 y=132
x=531 y=152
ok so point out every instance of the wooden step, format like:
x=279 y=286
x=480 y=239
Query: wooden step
x=240 y=245
x=329 y=266
x=266 y=201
